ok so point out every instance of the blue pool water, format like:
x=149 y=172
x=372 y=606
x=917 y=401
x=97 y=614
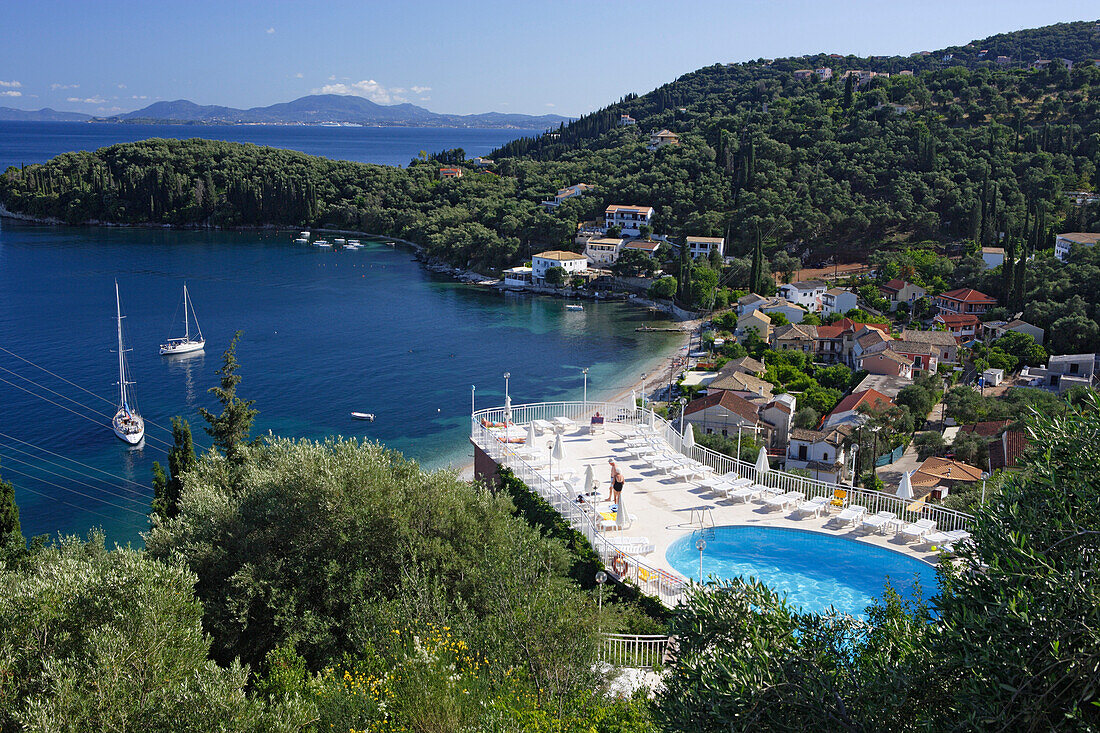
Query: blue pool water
x=815 y=570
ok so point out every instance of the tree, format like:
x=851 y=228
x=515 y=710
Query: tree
x=636 y=263
x=785 y=264
x=848 y=87
x=928 y=444
x=1074 y=334
x=1023 y=347
x=836 y=376
x=806 y=418
x=11 y=533
x=181 y=459
x=664 y=289
x=555 y=276
x=230 y=429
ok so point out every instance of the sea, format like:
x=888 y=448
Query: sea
x=23 y=143
x=323 y=334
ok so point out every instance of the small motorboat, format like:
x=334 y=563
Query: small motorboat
x=368 y=416
x=323 y=243
x=341 y=242
x=574 y=307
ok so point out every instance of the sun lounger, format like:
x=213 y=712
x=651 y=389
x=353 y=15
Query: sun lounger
x=879 y=522
x=746 y=493
x=814 y=506
x=956 y=537
x=851 y=514
x=633 y=545
x=918 y=529
x=608 y=521
x=682 y=472
x=784 y=500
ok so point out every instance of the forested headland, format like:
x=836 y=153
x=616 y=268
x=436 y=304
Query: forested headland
x=962 y=149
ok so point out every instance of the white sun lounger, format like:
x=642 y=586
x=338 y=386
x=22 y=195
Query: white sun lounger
x=879 y=522
x=746 y=493
x=814 y=506
x=958 y=536
x=919 y=528
x=851 y=514
x=633 y=545
x=784 y=500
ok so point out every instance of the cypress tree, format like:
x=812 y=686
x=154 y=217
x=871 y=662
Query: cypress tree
x=10 y=529
x=230 y=429
x=848 y=92
x=167 y=488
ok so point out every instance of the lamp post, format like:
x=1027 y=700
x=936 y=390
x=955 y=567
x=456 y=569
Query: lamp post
x=683 y=402
x=585 y=373
x=507 y=375
x=644 y=375
x=700 y=545
x=473 y=407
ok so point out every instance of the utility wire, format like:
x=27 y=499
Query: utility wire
x=122 y=497
x=143 y=492
x=66 y=488
x=68 y=503
x=85 y=465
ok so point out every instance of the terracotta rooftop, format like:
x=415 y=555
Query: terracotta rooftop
x=1005 y=451
x=935 y=469
x=940 y=338
x=1081 y=237
x=737 y=405
x=957 y=319
x=870 y=397
x=968 y=295
x=559 y=255
x=986 y=429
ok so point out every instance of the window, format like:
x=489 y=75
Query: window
x=1073 y=368
x=801 y=452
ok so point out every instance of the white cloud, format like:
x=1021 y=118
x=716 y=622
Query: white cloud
x=421 y=90
x=550 y=104
x=138 y=96
x=109 y=109
x=11 y=93
x=370 y=89
x=15 y=84
x=270 y=31
x=425 y=99
x=299 y=75
x=121 y=86
x=89 y=100
x=55 y=87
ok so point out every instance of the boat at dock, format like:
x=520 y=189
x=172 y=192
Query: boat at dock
x=323 y=243
x=185 y=345
x=127 y=423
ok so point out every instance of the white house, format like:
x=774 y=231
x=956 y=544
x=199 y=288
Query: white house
x=1063 y=242
x=996 y=329
x=627 y=120
x=603 y=251
x=806 y=293
x=629 y=219
x=568 y=192
x=703 y=246
x=838 y=300
x=517 y=277
x=993 y=257
x=821 y=452
x=848 y=412
x=571 y=262
x=662 y=139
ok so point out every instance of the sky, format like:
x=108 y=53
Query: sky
x=564 y=57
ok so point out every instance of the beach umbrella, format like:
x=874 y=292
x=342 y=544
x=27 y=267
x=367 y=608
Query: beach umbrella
x=589 y=480
x=557 y=454
x=689 y=438
x=633 y=402
x=652 y=419
x=905 y=490
x=530 y=442
x=620 y=514
x=507 y=417
x=762 y=466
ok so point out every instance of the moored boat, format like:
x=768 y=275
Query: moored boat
x=127 y=423
x=187 y=344
x=363 y=416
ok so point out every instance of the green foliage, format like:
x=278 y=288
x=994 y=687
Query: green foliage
x=929 y=443
x=1023 y=347
x=971 y=448
x=967 y=405
x=635 y=263
x=230 y=429
x=181 y=459
x=555 y=276
x=664 y=289
x=778 y=319
x=727 y=445
x=11 y=533
x=806 y=418
x=836 y=376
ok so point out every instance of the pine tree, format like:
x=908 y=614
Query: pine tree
x=167 y=488
x=230 y=429
x=10 y=530
x=756 y=274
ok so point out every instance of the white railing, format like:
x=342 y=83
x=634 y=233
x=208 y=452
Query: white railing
x=633 y=650
x=666 y=585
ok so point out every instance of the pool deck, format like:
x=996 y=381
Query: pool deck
x=665 y=508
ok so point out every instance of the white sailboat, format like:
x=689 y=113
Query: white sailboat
x=126 y=423
x=185 y=345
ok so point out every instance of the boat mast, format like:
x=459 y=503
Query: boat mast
x=186 y=322
x=121 y=363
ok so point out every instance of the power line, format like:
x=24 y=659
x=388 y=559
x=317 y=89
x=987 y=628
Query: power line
x=65 y=488
x=62 y=466
x=77 y=481
x=68 y=503
x=66 y=458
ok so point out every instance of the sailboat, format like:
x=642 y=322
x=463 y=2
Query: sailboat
x=126 y=423
x=185 y=345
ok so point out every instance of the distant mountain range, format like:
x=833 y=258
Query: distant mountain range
x=314 y=109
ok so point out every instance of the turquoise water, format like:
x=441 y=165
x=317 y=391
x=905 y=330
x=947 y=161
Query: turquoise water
x=36 y=142
x=325 y=333
x=815 y=570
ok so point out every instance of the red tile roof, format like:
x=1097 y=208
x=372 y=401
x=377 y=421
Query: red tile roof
x=968 y=295
x=986 y=429
x=957 y=319
x=870 y=397
x=830 y=332
x=1006 y=450
x=725 y=398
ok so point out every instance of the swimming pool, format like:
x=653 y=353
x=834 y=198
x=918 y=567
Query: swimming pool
x=815 y=570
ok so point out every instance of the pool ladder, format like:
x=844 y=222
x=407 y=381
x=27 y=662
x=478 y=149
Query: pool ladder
x=703 y=518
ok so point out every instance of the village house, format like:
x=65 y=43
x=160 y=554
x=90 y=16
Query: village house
x=993 y=257
x=923 y=356
x=662 y=139
x=517 y=277
x=806 y=293
x=603 y=251
x=963 y=327
x=964 y=300
x=1061 y=373
x=838 y=300
x=886 y=362
x=824 y=453
x=899 y=291
x=571 y=262
x=703 y=246
x=824 y=73
x=626 y=121
x=848 y=411
x=794 y=337
x=748 y=303
x=777 y=414
x=887 y=385
x=937 y=476
x=947 y=348
x=993 y=330
x=723 y=412
x=831 y=346
x=745 y=385
x=755 y=319
x=450 y=173
x=864 y=339
x=803 y=73
x=641 y=245
x=568 y=192
x=628 y=219
x=1083 y=198
x=1003 y=60
x=746 y=365
x=1005 y=450
x=481 y=162
x=1064 y=243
